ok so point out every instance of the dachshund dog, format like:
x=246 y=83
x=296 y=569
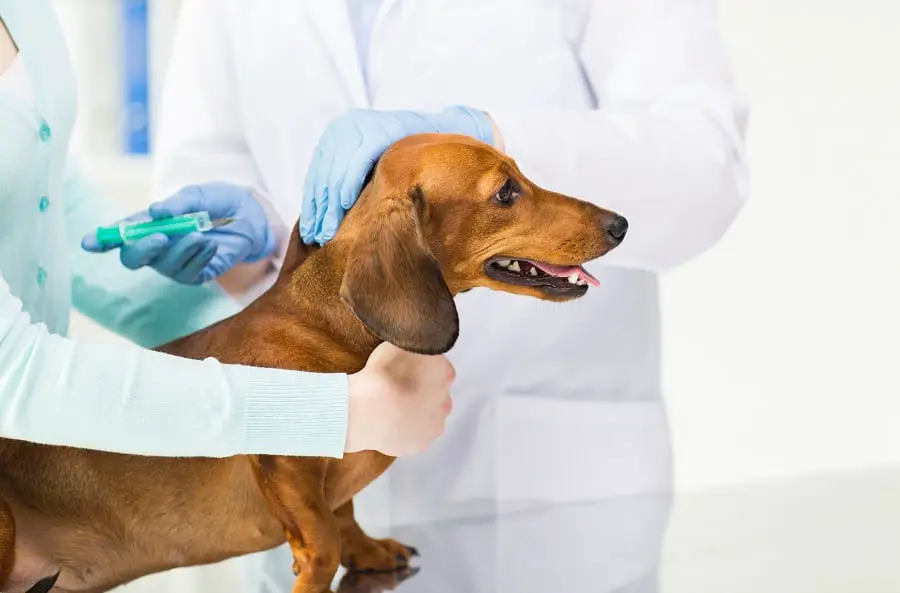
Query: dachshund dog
x=441 y=214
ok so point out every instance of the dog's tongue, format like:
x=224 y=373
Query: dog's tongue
x=565 y=272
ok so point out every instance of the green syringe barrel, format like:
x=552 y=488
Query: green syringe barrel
x=126 y=233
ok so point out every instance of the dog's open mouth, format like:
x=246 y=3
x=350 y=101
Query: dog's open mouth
x=560 y=280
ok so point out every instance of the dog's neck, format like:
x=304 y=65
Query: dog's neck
x=308 y=290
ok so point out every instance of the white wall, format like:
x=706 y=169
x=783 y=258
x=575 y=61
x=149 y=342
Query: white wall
x=782 y=343
x=782 y=347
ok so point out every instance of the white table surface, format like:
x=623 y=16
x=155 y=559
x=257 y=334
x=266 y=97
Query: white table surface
x=832 y=533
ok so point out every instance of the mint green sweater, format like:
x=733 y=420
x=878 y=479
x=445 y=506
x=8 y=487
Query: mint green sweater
x=90 y=394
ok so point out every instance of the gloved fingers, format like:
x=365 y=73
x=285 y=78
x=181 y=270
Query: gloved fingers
x=322 y=189
x=173 y=261
x=259 y=242
x=307 y=219
x=223 y=200
x=194 y=268
x=89 y=243
x=329 y=219
x=322 y=178
x=144 y=252
x=185 y=201
x=334 y=214
x=308 y=209
x=217 y=265
x=321 y=210
x=357 y=171
x=333 y=218
x=357 y=167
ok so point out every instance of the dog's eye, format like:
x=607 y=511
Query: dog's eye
x=508 y=194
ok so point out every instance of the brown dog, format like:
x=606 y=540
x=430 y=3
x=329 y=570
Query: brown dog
x=442 y=214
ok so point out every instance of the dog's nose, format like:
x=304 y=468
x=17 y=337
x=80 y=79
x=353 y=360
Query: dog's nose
x=617 y=227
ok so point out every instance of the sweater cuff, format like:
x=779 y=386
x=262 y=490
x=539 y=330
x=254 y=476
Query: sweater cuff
x=295 y=413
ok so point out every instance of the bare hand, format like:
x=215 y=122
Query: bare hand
x=399 y=402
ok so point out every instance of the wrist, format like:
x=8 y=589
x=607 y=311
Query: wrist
x=291 y=412
x=271 y=240
x=498 y=143
x=267 y=249
x=355 y=385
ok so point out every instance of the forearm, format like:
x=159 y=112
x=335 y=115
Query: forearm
x=121 y=398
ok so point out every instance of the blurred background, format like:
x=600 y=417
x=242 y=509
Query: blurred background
x=781 y=345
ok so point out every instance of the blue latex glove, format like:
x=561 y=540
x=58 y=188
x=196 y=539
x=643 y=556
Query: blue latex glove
x=200 y=257
x=349 y=148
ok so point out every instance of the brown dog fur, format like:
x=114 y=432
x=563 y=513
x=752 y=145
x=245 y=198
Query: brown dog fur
x=421 y=232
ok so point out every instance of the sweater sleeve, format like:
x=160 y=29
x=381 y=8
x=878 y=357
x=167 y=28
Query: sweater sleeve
x=122 y=398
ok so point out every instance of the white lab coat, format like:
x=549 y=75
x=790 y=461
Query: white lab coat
x=627 y=103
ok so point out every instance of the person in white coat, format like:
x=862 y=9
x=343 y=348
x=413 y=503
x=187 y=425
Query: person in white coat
x=625 y=103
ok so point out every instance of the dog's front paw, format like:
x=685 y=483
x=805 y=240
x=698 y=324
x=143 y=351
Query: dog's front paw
x=379 y=555
x=374 y=582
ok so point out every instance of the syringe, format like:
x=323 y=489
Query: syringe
x=126 y=233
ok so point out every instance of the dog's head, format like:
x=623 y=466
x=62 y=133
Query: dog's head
x=443 y=214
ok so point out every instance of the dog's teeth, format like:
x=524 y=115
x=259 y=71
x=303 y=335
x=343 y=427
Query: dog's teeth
x=581 y=282
x=503 y=263
x=533 y=271
x=573 y=279
x=514 y=267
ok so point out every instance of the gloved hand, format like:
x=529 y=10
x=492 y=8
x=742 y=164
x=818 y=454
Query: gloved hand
x=200 y=257
x=349 y=148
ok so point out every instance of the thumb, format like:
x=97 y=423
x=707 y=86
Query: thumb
x=185 y=201
x=90 y=244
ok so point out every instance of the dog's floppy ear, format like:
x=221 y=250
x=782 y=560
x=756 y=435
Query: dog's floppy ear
x=394 y=284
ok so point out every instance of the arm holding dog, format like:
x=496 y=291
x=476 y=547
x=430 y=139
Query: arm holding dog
x=122 y=398
x=664 y=148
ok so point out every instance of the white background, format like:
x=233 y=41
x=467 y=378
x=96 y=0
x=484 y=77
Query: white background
x=781 y=344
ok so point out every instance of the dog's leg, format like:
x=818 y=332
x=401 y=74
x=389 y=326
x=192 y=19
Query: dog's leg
x=364 y=553
x=295 y=490
x=7 y=542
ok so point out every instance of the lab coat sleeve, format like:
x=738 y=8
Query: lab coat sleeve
x=664 y=148
x=199 y=135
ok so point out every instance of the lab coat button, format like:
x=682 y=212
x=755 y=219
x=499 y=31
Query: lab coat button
x=41 y=276
x=45 y=132
x=44 y=203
